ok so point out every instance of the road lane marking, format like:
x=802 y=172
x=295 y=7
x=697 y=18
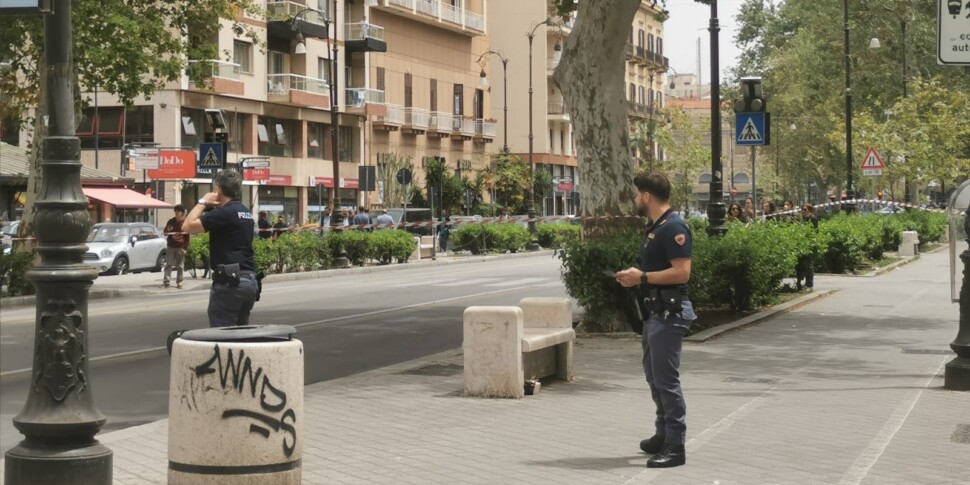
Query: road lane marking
x=475 y=281
x=8 y=374
x=871 y=454
x=523 y=281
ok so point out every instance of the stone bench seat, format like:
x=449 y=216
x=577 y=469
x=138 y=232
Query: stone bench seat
x=539 y=338
x=505 y=346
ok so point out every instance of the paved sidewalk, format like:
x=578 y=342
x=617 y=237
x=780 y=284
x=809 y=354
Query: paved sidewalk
x=845 y=390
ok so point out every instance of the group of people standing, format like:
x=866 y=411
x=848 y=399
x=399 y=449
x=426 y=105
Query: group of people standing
x=769 y=211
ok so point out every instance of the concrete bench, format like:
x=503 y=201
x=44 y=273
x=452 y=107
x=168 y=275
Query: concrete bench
x=424 y=247
x=506 y=346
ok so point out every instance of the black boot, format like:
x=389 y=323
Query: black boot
x=653 y=445
x=669 y=456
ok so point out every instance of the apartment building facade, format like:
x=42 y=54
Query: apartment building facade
x=554 y=147
x=275 y=97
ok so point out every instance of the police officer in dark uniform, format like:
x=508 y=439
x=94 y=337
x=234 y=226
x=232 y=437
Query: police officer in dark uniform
x=662 y=277
x=230 y=226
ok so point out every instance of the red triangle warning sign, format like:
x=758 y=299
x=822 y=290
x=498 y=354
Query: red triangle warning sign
x=872 y=160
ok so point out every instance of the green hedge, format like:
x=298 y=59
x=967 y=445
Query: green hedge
x=482 y=238
x=13 y=273
x=556 y=235
x=745 y=268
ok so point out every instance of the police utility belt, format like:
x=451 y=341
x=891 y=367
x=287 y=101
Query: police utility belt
x=228 y=274
x=664 y=300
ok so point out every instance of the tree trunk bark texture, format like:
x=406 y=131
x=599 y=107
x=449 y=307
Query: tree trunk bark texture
x=591 y=77
x=34 y=173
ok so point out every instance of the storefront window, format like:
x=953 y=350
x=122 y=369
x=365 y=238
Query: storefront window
x=279 y=202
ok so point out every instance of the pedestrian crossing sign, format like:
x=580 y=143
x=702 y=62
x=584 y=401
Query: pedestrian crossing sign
x=752 y=129
x=872 y=164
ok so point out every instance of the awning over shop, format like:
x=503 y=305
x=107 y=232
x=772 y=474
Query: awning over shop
x=125 y=198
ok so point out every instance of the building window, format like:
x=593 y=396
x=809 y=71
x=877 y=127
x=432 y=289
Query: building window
x=459 y=100
x=633 y=93
x=315 y=133
x=650 y=43
x=479 y=104
x=660 y=46
x=10 y=131
x=704 y=179
x=640 y=38
x=434 y=95
x=324 y=68
x=346 y=144
x=408 y=91
x=242 y=55
x=274 y=137
x=380 y=79
x=276 y=62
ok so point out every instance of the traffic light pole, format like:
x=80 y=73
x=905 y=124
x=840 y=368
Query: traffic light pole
x=715 y=206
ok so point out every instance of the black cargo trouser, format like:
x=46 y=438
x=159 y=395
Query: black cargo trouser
x=231 y=305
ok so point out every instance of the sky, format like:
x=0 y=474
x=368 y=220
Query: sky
x=688 y=21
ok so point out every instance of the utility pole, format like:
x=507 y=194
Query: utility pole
x=715 y=208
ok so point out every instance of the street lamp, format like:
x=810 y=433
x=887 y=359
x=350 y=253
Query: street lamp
x=59 y=419
x=874 y=43
x=534 y=243
x=336 y=214
x=483 y=82
x=715 y=208
x=849 y=193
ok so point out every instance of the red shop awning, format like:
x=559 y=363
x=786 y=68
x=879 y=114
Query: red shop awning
x=125 y=198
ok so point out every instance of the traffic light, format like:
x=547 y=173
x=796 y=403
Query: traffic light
x=753 y=97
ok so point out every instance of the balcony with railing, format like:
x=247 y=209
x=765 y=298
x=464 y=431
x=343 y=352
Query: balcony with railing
x=557 y=108
x=416 y=120
x=365 y=37
x=298 y=89
x=441 y=124
x=360 y=97
x=216 y=76
x=285 y=19
x=436 y=12
x=391 y=119
x=485 y=130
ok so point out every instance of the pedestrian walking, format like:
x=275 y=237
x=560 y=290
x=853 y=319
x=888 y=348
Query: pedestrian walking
x=385 y=219
x=749 y=209
x=230 y=226
x=176 y=245
x=362 y=218
x=444 y=230
x=663 y=273
x=735 y=214
x=265 y=229
x=279 y=227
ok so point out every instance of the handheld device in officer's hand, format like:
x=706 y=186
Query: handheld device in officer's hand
x=609 y=274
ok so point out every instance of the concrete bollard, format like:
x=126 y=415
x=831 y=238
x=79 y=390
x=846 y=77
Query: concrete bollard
x=910 y=244
x=236 y=407
x=492 y=346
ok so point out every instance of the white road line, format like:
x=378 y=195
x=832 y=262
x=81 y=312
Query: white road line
x=523 y=281
x=423 y=282
x=476 y=281
x=869 y=456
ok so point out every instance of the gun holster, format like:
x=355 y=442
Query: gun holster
x=668 y=300
x=227 y=274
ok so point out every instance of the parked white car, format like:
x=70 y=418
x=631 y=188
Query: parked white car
x=7 y=234
x=117 y=248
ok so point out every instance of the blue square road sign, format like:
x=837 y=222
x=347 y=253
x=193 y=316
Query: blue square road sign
x=752 y=129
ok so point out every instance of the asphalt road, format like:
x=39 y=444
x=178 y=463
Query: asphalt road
x=348 y=324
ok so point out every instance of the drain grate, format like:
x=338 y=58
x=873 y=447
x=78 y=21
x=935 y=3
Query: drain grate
x=752 y=380
x=435 y=370
x=961 y=434
x=927 y=351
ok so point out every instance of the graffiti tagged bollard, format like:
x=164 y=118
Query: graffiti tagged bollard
x=236 y=407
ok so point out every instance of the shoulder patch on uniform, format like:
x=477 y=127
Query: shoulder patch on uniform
x=680 y=239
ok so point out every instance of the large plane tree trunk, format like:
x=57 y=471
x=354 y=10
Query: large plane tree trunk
x=591 y=77
x=39 y=131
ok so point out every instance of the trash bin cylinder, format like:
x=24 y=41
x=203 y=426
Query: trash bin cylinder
x=236 y=412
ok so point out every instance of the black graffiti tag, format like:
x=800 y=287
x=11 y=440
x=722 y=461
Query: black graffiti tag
x=238 y=374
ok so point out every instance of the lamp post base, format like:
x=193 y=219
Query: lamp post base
x=957 y=376
x=39 y=462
